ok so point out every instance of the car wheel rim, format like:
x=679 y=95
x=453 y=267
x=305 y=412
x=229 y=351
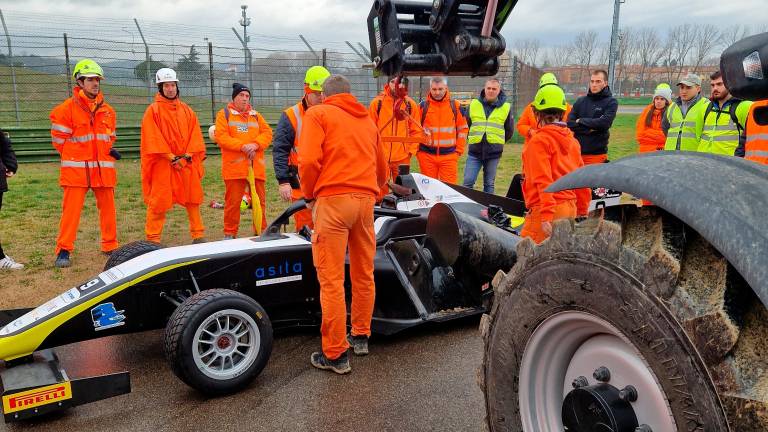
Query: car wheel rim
x=573 y=344
x=226 y=344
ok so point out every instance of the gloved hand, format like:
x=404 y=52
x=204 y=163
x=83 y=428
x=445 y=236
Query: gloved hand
x=115 y=154
x=179 y=162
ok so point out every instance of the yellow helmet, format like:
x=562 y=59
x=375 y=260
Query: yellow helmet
x=315 y=77
x=87 y=68
x=547 y=79
x=550 y=97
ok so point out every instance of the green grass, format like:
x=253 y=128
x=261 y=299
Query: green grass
x=31 y=210
x=634 y=100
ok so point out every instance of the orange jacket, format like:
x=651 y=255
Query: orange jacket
x=448 y=133
x=231 y=135
x=382 y=110
x=341 y=151
x=650 y=138
x=756 y=147
x=169 y=129
x=550 y=154
x=528 y=120
x=83 y=132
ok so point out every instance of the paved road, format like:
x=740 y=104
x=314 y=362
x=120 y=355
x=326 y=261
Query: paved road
x=630 y=109
x=422 y=380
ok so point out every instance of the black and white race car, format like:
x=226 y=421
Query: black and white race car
x=219 y=302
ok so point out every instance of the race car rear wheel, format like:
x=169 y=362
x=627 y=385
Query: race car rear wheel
x=218 y=341
x=129 y=252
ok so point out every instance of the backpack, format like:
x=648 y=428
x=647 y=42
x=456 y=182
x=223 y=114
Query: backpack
x=425 y=107
x=734 y=119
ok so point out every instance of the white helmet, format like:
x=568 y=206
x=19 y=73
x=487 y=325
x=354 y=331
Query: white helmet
x=165 y=75
x=212 y=133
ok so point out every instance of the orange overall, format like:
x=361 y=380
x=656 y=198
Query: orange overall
x=295 y=115
x=248 y=127
x=447 y=127
x=650 y=138
x=83 y=132
x=342 y=166
x=527 y=125
x=170 y=129
x=550 y=154
x=382 y=111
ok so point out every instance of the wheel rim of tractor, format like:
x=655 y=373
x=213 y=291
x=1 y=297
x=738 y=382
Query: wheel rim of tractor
x=571 y=344
x=226 y=344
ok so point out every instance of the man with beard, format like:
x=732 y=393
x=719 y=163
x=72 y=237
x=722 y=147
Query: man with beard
x=724 y=121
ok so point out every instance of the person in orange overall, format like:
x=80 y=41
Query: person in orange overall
x=342 y=167
x=551 y=153
x=172 y=154
x=526 y=126
x=383 y=114
x=243 y=135
x=285 y=144
x=648 y=131
x=83 y=132
x=756 y=144
x=446 y=130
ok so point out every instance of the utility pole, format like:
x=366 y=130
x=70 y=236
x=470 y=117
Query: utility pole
x=614 y=49
x=245 y=22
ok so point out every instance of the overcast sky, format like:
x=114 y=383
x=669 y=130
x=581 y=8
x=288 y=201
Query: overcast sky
x=330 y=22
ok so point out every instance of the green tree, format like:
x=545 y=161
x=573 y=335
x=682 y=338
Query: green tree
x=140 y=71
x=190 y=62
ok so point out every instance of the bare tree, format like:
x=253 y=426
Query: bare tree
x=683 y=38
x=584 y=50
x=649 y=50
x=706 y=39
x=626 y=55
x=667 y=57
x=561 y=55
x=527 y=50
x=733 y=34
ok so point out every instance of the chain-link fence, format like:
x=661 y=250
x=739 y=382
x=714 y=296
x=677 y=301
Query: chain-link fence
x=36 y=69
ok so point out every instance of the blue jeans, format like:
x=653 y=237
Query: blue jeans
x=472 y=169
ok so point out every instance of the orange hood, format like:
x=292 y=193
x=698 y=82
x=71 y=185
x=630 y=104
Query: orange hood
x=348 y=103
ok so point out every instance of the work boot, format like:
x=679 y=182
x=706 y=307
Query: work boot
x=62 y=259
x=359 y=344
x=199 y=240
x=340 y=365
x=228 y=237
x=8 y=263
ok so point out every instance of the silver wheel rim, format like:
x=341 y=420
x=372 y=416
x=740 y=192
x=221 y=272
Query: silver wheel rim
x=226 y=344
x=572 y=344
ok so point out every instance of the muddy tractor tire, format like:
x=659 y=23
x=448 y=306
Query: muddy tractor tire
x=641 y=326
x=129 y=252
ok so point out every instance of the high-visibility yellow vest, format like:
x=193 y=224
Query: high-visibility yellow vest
x=721 y=134
x=492 y=126
x=685 y=131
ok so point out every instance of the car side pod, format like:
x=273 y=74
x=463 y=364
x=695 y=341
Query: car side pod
x=39 y=386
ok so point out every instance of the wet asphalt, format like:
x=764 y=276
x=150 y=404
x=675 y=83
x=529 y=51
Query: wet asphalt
x=423 y=379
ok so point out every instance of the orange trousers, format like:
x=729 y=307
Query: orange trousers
x=594 y=159
x=443 y=167
x=155 y=221
x=232 y=197
x=532 y=226
x=340 y=221
x=303 y=217
x=72 y=206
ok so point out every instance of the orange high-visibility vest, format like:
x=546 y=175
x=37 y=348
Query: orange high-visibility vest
x=756 y=147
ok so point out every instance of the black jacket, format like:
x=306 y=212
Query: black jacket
x=282 y=144
x=483 y=150
x=595 y=112
x=7 y=160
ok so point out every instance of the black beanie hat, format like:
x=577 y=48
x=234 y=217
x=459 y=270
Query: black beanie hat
x=237 y=88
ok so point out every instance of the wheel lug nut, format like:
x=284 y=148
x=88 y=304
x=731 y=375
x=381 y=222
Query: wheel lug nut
x=628 y=393
x=643 y=428
x=602 y=374
x=580 y=382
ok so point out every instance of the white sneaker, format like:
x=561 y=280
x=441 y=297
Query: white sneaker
x=8 y=263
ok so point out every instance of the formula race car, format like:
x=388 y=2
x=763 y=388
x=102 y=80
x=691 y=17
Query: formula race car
x=219 y=302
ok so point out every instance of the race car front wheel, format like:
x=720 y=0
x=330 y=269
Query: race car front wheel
x=129 y=252
x=218 y=341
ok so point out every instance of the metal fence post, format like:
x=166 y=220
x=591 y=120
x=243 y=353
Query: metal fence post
x=515 y=83
x=210 y=74
x=325 y=58
x=13 y=70
x=147 y=61
x=66 y=66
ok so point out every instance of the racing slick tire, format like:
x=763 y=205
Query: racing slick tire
x=129 y=252
x=600 y=308
x=218 y=341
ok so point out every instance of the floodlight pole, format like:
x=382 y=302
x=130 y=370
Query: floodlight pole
x=614 y=49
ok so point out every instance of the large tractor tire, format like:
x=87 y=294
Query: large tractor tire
x=639 y=327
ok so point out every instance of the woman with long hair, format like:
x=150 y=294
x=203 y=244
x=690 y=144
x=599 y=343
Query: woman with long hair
x=650 y=136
